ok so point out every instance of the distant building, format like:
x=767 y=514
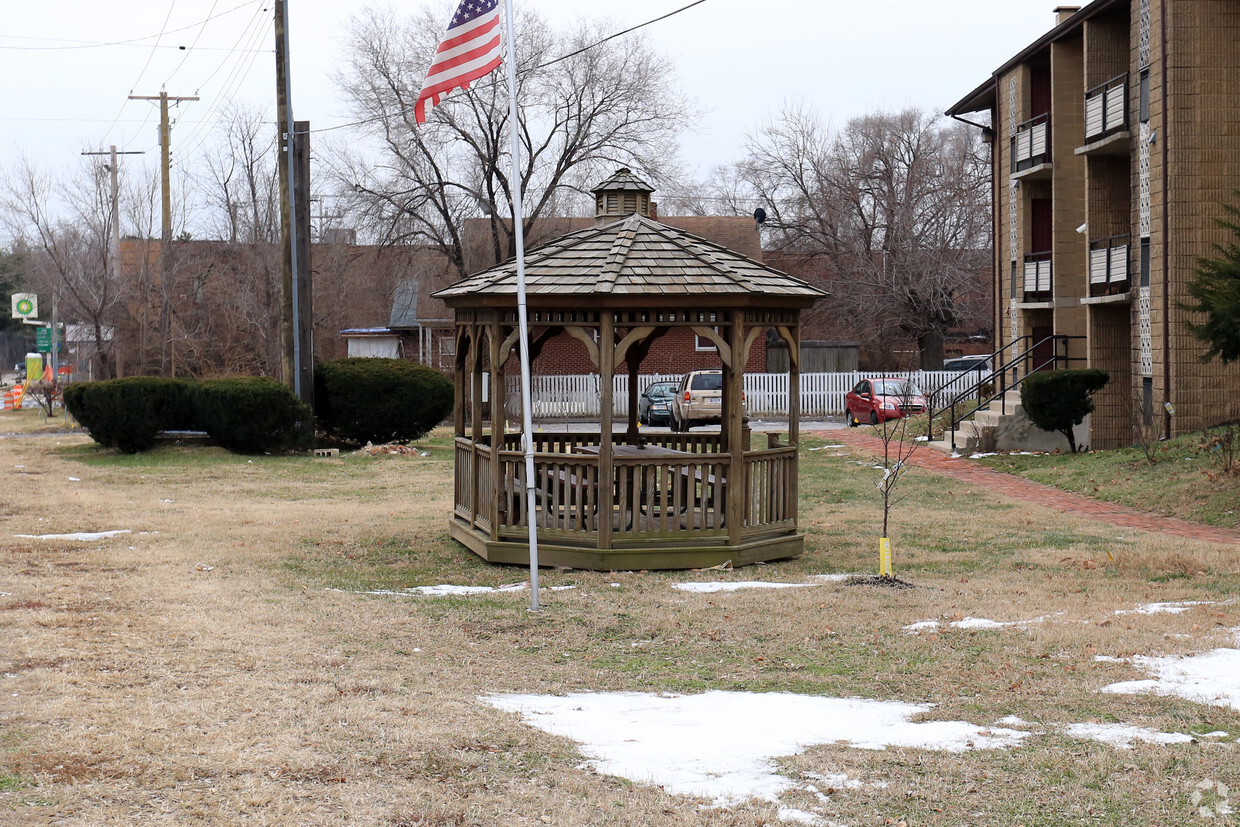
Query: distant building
x=1115 y=142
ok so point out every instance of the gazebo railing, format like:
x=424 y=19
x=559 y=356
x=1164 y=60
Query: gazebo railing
x=677 y=499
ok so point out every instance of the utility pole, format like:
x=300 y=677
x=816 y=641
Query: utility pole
x=294 y=155
x=113 y=167
x=165 y=144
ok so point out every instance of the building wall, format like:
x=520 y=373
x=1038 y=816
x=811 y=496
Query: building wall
x=1184 y=163
x=1202 y=145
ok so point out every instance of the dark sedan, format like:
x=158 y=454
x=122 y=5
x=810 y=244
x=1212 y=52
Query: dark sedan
x=654 y=406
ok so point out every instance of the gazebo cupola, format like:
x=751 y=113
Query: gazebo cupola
x=621 y=195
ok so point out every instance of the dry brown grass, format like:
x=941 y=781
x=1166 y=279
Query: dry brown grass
x=219 y=665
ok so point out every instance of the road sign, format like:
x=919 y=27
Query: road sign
x=25 y=305
x=43 y=339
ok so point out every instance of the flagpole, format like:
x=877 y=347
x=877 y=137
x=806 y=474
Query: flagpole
x=527 y=420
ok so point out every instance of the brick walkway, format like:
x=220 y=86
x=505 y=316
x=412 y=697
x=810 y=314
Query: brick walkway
x=1035 y=492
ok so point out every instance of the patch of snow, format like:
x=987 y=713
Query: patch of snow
x=954 y=455
x=1123 y=736
x=722 y=745
x=921 y=626
x=84 y=536
x=707 y=588
x=982 y=455
x=978 y=623
x=798 y=816
x=1210 y=678
x=445 y=589
x=75 y=479
x=1218 y=733
x=831 y=578
x=828 y=448
x=615 y=585
x=1012 y=720
x=1176 y=608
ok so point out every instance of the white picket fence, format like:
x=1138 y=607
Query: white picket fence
x=766 y=394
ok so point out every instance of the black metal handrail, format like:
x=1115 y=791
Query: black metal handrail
x=1117 y=85
x=1108 y=284
x=1019 y=365
x=1034 y=158
x=1106 y=84
x=1037 y=293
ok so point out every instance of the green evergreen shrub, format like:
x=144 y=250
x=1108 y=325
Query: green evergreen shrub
x=251 y=414
x=1059 y=400
x=126 y=414
x=363 y=400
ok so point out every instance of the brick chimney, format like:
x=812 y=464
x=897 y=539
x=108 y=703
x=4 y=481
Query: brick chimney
x=1062 y=13
x=622 y=195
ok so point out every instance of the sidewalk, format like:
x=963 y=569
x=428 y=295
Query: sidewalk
x=1045 y=495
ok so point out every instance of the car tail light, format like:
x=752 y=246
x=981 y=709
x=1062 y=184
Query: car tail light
x=687 y=397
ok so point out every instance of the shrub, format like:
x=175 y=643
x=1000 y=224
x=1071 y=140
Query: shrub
x=1059 y=400
x=126 y=414
x=247 y=415
x=251 y=414
x=380 y=400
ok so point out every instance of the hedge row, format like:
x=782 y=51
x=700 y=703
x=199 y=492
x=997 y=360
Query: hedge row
x=380 y=400
x=247 y=415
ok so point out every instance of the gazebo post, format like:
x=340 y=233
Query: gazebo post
x=606 y=469
x=495 y=340
x=734 y=386
x=794 y=410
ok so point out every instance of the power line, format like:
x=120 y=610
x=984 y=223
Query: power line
x=87 y=44
x=197 y=37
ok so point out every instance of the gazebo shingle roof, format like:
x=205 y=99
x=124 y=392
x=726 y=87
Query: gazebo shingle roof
x=635 y=256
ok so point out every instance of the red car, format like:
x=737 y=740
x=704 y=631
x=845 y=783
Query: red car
x=877 y=400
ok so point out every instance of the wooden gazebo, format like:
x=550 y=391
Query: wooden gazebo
x=627 y=499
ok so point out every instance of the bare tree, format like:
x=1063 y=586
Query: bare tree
x=581 y=117
x=239 y=183
x=899 y=206
x=71 y=250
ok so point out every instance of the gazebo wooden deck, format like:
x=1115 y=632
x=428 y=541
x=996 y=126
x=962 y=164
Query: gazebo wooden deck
x=625 y=499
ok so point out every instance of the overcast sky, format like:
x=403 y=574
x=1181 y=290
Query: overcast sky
x=67 y=75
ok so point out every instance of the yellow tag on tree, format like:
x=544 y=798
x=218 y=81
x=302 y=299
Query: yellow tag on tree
x=884 y=557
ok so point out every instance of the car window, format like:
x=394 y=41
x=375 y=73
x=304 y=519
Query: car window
x=660 y=391
x=897 y=388
x=708 y=382
x=862 y=387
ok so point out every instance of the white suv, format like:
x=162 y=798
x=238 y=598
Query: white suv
x=699 y=400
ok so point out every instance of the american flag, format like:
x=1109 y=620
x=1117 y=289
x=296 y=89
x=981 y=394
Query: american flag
x=470 y=50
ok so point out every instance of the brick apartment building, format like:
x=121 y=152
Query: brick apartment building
x=1116 y=138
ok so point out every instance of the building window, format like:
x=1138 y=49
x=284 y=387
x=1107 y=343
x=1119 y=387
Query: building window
x=1145 y=262
x=1147 y=401
x=1145 y=96
x=702 y=343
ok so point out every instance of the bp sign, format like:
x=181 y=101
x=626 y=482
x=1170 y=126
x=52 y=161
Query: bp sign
x=25 y=305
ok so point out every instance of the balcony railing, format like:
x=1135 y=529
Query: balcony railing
x=1108 y=265
x=1032 y=144
x=1038 y=277
x=1106 y=108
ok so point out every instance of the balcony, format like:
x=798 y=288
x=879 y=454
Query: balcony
x=1108 y=266
x=1106 y=118
x=1031 y=148
x=1037 y=287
